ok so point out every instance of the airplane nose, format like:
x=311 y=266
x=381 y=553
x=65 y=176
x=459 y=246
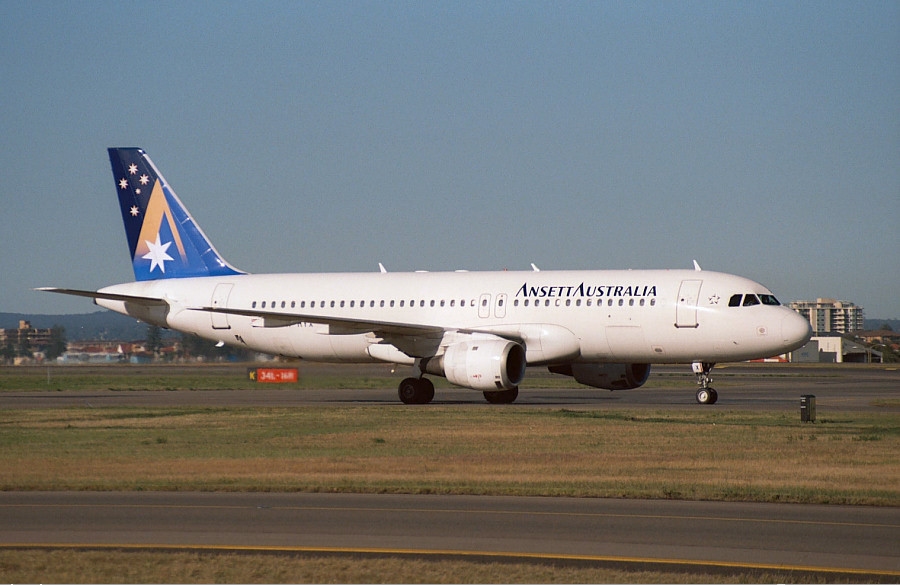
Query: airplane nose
x=795 y=330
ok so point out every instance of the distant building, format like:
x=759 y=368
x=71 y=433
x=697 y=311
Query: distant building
x=828 y=316
x=25 y=332
x=835 y=349
x=27 y=339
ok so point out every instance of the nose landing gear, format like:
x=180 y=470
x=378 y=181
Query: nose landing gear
x=705 y=394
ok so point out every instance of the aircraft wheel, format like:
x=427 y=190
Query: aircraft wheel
x=502 y=397
x=408 y=391
x=427 y=389
x=707 y=396
x=416 y=391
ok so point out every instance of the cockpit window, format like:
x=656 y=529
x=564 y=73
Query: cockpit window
x=735 y=301
x=769 y=300
x=750 y=300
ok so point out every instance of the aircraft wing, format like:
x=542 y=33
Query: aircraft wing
x=339 y=325
x=91 y=294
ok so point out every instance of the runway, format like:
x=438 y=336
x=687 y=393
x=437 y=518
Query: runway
x=661 y=534
x=741 y=387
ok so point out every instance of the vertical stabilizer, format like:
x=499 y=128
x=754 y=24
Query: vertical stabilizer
x=163 y=238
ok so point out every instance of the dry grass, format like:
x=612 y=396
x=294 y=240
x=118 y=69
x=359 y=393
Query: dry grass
x=457 y=449
x=90 y=566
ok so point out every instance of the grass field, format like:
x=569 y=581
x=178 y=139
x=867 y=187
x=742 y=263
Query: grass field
x=710 y=454
x=121 y=566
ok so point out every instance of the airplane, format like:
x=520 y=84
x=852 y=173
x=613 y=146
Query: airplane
x=479 y=330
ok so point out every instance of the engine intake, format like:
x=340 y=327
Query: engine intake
x=492 y=364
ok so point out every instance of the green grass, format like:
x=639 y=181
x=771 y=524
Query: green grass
x=709 y=455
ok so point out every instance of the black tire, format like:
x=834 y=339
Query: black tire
x=502 y=397
x=408 y=391
x=427 y=389
x=707 y=396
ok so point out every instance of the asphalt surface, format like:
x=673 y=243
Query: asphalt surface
x=862 y=542
x=740 y=387
x=663 y=534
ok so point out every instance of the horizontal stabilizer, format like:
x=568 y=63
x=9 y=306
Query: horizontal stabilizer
x=91 y=294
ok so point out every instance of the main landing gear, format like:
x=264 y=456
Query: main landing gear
x=416 y=391
x=421 y=391
x=705 y=394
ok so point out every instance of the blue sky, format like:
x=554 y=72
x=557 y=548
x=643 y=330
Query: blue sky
x=760 y=138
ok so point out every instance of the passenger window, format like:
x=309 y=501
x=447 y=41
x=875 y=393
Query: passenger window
x=642 y=302
x=264 y=304
x=568 y=302
x=293 y=304
x=652 y=302
x=621 y=302
x=352 y=304
x=442 y=302
x=750 y=300
x=253 y=306
x=342 y=304
x=630 y=302
x=734 y=301
x=282 y=304
x=453 y=302
x=402 y=302
x=526 y=302
x=431 y=303
x=392 y=303
x=381 y=304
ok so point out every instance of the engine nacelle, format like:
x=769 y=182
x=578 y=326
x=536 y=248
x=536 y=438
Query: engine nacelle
x=492 y=364
x=606 y=376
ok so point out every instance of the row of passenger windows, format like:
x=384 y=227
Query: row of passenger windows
x=351 y=304
x=752 y=299
x=452 y=303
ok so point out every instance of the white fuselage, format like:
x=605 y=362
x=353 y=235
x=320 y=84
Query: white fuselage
x=622 y=316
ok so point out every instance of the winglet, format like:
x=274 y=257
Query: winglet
x=697 y=266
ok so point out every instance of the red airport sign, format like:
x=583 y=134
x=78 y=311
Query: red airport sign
x=273 y=375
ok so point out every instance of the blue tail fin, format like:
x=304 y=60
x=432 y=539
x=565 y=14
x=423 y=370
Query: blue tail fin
x=164 y=239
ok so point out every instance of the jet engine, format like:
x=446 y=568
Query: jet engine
x=487 y=365
x=606 y=376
